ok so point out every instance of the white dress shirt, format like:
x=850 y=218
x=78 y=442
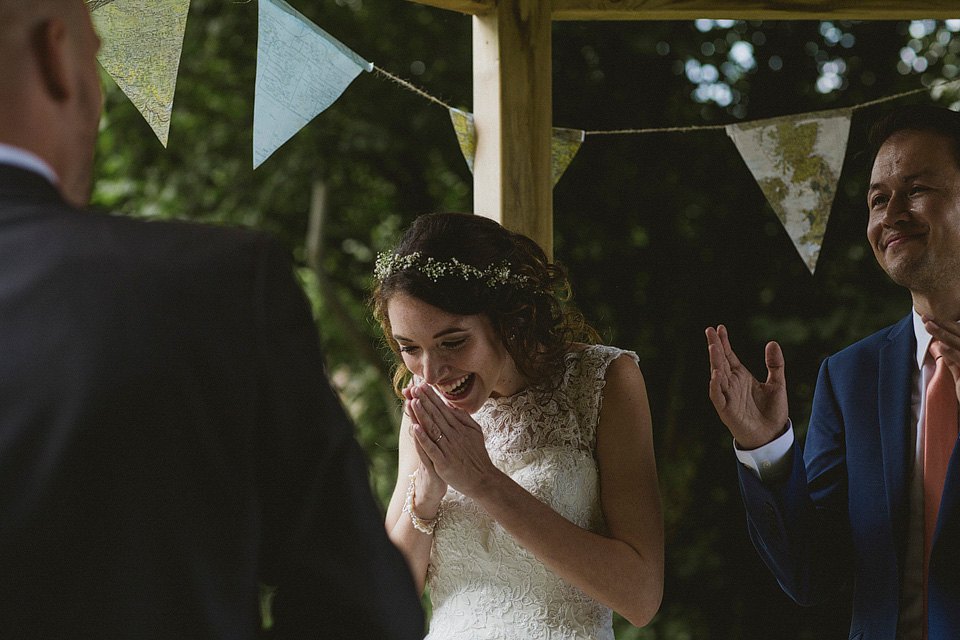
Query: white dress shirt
x=771 y=460
x=22 y=159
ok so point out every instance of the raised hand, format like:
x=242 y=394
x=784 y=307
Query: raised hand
x=754 y=412
x=948 y=335
x=453 y=441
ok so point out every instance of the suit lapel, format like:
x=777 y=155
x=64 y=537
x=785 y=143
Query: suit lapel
x=894 y=409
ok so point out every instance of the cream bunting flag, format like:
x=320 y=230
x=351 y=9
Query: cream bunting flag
x=301 y=70
x=142 y=43
x=563 y=147
x=466 y=134
x=797 y=160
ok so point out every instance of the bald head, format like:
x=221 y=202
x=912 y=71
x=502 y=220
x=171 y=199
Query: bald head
x=50 y=95
x=18 y=16
x=22 y=25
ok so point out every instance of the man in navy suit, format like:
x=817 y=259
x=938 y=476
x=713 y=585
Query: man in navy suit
x=851 y=505
x=168 y=439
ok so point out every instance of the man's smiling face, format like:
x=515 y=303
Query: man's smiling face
x=914 y=203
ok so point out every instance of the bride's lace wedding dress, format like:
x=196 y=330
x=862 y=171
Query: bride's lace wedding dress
x=483 y=584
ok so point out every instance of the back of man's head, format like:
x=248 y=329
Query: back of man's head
x=50 y=96
x=18 y=16
x=20 y=22
x=916 y=117
x=15 y=19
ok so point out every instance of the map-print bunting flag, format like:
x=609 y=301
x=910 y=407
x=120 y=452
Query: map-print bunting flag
x=564 y=144
x=301 y=70
x=466 y=134
x=796 y=160
x=142 y=42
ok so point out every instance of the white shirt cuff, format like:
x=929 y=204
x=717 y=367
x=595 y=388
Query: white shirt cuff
x=770 y=460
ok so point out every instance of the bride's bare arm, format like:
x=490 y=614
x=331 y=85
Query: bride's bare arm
x=415 y=545
x=624 y=569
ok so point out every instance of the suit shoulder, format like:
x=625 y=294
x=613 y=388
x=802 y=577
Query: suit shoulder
x=188 y=235
x=179 y=247
x=197 y=268
x=869 y=348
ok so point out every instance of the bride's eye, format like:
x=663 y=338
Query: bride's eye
x=453 y=344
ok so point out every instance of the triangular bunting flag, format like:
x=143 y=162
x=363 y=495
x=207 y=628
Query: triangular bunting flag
x=301 y=70
x=564 y=144
x=466 y=132
x=796 y=160
x=142 y=42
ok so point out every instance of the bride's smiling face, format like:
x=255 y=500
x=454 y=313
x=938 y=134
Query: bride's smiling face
x=461 y=357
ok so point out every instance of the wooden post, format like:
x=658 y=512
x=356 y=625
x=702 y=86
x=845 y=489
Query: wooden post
x=512 y=103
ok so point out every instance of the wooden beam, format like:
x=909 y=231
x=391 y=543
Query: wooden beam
x=728 y=9
x=755 y=9
x=473 y=7
x=512 y=104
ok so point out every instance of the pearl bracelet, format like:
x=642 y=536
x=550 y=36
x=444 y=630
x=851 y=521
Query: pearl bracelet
x=425 y=525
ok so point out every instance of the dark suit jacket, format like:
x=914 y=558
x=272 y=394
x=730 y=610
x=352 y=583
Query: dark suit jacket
x=842 y=513
x=168 y=439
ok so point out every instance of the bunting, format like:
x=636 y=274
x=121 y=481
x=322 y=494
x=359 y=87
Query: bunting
x=142 y=43
x=466 y=132
x=563 y=146
x=301 y=70
x=796 y=161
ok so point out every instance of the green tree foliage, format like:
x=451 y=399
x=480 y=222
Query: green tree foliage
x=663 y=233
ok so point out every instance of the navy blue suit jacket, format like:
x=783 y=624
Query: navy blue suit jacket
x=168 y=440
x=842 y=512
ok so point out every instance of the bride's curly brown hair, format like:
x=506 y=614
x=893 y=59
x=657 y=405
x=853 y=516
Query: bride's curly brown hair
x=536 y=322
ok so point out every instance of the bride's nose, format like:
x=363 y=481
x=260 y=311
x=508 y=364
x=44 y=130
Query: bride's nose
x=434 y=368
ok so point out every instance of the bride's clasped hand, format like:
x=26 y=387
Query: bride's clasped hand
x=453 y=442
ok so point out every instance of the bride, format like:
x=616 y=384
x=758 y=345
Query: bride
x=527 y=491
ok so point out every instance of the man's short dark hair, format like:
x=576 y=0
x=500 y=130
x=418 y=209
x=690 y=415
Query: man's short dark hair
x=916 y=117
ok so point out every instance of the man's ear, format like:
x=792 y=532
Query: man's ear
x=52 y=48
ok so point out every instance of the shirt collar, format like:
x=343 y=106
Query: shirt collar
x=23 y=159
x=923 y=338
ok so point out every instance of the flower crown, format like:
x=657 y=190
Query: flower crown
x=494 y=276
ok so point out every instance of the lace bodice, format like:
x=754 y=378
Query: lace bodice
x=483 y=584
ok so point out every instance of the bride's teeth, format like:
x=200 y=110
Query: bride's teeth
x=447 y=388
x=461 y=385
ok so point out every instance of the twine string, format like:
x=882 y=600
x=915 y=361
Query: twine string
x=711 y=127
x=96 y=4
x=410 y=87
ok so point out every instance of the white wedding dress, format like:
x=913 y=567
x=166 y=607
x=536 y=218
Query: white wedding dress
x=483 y=584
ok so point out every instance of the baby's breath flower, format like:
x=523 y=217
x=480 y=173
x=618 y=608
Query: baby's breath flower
x=494 y=276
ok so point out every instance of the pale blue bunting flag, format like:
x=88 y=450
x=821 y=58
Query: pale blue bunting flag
x=301 y=70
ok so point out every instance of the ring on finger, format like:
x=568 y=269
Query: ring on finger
x=439 y=438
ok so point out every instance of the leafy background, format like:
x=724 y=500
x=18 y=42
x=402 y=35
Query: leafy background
x=663 y=234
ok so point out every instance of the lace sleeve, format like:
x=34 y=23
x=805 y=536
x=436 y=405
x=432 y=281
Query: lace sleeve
x=587 y=383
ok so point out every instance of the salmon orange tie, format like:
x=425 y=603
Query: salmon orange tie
x=940 y=437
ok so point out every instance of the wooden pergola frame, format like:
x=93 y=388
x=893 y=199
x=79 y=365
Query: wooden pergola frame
x=512 y=93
